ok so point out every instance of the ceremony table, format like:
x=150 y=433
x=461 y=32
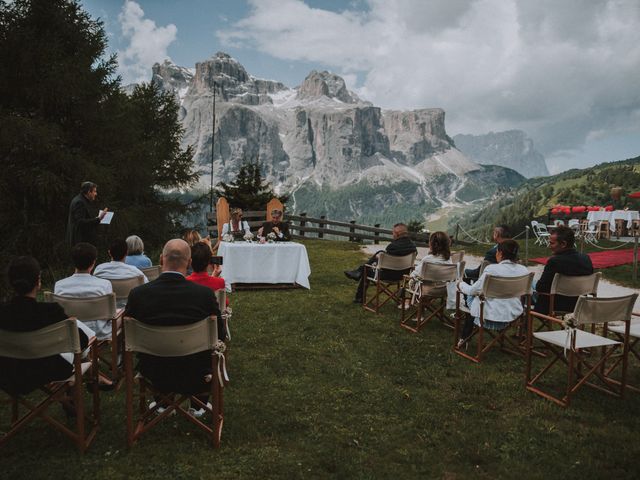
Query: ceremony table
x=280 y=262
x=628 y=215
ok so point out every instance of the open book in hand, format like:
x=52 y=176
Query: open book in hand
x=107 y=218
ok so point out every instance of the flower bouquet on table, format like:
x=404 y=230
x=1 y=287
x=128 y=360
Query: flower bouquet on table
x=271 y=237
x=227 y=238
x=248 y=237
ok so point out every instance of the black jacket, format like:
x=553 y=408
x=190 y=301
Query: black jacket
x=24 y=314
x=284 y=229
x=568 y=262
x=171 y=299
x=82 y=224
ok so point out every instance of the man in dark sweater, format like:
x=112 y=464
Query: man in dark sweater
x=565 y=260
x=82 y=223
x=500 y=233
x=400 y=246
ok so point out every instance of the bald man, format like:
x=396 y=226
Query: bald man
x=173 y=300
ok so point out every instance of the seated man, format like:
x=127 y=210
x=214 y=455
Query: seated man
x=117 y=268
x=84 y=285
x=500 y=233
x=498 y=312
x=400 y=246
x=565 y=260
x=277 y=226
x=172 y=300
x=23 y=313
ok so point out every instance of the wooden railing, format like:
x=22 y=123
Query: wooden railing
x=303 y=226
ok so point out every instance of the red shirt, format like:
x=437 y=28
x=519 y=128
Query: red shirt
x=203 y=278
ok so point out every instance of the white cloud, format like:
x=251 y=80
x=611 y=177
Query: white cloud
x=148 y=43
x=562 y=71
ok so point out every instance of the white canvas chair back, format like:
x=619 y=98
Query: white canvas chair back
x=61 y=337
x=507 y=287
x=393 y=262
x=152 y=272
x=591 y=310
x=122 y=286
x=574 y=286
x=86 y=309
x=457 y=257
x=435 y=277
x=170 y=341
x=460 y=266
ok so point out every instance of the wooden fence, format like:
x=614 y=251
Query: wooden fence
x=303 y=226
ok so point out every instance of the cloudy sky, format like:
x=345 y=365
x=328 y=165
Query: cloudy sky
x=566 y=72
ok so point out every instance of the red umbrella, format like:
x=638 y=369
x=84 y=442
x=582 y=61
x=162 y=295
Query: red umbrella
x=634 y=195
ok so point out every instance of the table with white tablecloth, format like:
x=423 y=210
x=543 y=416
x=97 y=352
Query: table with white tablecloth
x=627 y=215
x=280 y=262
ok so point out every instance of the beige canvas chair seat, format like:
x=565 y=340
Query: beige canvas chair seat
x=562 y=338
x=387 y=277
x=173 y=341
x=584 y=354
x=494 y=287
x=92 y=309
x=61 y=337
x=433 y=296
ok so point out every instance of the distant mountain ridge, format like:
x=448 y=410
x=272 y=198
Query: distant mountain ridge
x=511 y=149
x=323 y=144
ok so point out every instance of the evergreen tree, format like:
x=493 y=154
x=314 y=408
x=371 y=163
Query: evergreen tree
x=64 y=119
x=249 y=191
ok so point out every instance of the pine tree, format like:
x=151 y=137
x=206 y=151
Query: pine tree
x=249 y=191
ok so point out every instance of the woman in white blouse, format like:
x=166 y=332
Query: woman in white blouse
x=439 y=251
x=236 y=226
x=498 y=312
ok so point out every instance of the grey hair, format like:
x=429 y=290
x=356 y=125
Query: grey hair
x=86 y=187
x=135 y=246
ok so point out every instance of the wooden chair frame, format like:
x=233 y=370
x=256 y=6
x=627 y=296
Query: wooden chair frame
x=391 y=289
x=52 y=340
x=172 y=341
x=433 y=298
x=579 y=347
x=109 y=350
x=494 y=287
x=618 y=332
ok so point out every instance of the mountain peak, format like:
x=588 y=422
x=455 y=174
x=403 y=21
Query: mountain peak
x=326 y=84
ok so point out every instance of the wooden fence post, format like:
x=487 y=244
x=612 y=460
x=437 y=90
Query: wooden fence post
x=526 y=245
x=321 y=225
x=302 y=224
x=457 y=230
x=352 y=238
x=377 y=234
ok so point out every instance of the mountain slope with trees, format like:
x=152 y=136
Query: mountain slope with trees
x=534 y=198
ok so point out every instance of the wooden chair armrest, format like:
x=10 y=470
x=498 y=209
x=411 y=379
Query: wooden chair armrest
x=546 y=317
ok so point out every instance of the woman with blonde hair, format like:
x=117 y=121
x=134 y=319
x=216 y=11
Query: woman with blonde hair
x=236 y=226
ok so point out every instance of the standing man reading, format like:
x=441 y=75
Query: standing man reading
x=82 y=225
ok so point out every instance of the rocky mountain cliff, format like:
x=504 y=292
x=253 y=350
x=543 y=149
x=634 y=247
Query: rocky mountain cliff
x=335 y=153
x=511 y=149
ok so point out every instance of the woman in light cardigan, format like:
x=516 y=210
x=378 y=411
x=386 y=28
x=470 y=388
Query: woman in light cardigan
x=498 y=312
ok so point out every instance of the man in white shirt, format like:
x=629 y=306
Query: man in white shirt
x=84 y=285
x=116 y=269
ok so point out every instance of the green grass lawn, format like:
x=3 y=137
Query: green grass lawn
x=321 y=389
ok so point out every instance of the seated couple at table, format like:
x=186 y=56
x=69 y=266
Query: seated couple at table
x=239 y=228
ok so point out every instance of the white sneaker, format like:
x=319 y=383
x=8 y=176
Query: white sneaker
x=200 y=412
x=160 y=410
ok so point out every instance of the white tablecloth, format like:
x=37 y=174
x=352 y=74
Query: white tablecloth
x=281 y=262
x=611 y=217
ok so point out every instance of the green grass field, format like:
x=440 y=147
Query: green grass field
x=321 y=389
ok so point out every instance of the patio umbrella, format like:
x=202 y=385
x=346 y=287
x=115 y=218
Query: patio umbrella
x=634 y=195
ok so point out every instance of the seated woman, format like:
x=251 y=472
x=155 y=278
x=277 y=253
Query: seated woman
x=236 y=226
x=24 y=314
x=135 y=253
x=200 y=261
x=498 y=312
x=439 y=252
